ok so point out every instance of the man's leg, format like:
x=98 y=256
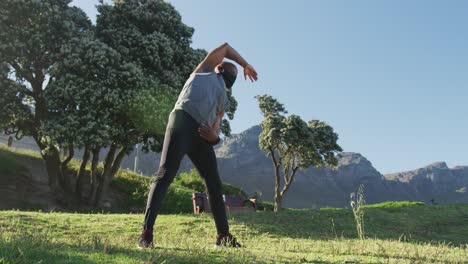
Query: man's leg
x=204 y=159
x=176 y=144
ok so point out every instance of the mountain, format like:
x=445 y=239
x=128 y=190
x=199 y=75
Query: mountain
x=436 y=181
x=242 y=163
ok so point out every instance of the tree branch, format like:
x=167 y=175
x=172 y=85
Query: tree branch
x=93 y=177
x=288 y=184
x=22 y=73
x=71 y=153
x=109 y=159
x=286 y=172
x=117 y=161
x=272 y=153
x=81 y=171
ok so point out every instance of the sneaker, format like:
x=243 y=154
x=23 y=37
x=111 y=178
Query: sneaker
x=145 y=240
x=226 y=241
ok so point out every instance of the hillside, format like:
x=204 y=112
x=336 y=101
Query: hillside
x=242 y=163
x=24 y=185
x=396 y=234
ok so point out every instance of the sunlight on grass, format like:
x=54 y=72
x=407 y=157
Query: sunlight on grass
x=295 y=236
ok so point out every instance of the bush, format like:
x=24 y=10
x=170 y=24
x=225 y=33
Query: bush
x=267 y=206
x=193 y=181
x=136 y=186
x=178 y=199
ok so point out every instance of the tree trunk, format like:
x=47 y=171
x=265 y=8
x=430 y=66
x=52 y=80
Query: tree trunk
x=53 y=170
x=59 y=186
x=99 y=178
x=66 y=177
x=277 y=192
x=94 y=175
x=277 y=182
x=103 y=175
x=80 y=175
x=10 y=141
x=111 y=168
x=278 y=200
x=288 y=181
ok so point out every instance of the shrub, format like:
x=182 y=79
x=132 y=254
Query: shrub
x=267 y=206
x=193 y=181
x=178 y=199
x=231 y=189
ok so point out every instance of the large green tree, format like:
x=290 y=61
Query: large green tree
x=88 y=104
x=150 y=34
x=103 y=88
x=293 y=144
x=32 y=34
x=150 y=37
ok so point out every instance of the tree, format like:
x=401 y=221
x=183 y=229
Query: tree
x=150 y=37
x=293 y=144
x=69 y=84
x=32 y=34
x=87 y=105
x=150 y=34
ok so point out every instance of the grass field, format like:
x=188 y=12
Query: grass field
x=396 y=233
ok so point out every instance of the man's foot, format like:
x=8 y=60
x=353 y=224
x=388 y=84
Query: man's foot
x=226 y=241
x=145 y=240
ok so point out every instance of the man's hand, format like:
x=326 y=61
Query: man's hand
x=209 y=133
x=250 y=71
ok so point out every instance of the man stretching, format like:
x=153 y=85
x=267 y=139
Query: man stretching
x=193 y=128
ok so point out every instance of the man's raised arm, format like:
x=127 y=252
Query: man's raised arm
x=217 y=55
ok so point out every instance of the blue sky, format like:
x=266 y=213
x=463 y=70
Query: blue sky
x=391 y=77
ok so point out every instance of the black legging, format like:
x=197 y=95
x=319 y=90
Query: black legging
x=182 y=138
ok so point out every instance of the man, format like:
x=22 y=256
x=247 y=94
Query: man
x=193 y=128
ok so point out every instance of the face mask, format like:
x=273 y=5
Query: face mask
x=229 y=78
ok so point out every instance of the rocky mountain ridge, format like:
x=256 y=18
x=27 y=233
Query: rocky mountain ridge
x=242 y=163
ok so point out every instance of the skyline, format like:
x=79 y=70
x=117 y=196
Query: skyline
x=389 y=77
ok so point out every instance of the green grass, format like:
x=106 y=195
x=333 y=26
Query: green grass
x=8 y=163
x=396 y=232
x=19 y=152
x=405 y=234
x=394 y=204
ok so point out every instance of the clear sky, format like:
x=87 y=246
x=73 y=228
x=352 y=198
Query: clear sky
x=391 y=77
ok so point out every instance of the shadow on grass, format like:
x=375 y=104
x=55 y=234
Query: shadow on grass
x=426 y=224
x=36 y=250
x=41 y=249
